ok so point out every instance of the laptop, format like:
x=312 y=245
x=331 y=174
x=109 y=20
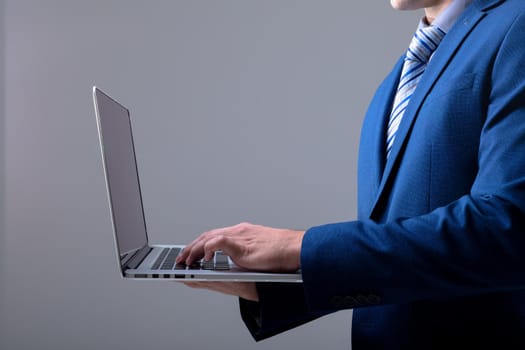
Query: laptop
x=137 y=258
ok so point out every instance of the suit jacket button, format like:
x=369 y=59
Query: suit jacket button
x=362 y=300
x=350 y=302
x=373 y=299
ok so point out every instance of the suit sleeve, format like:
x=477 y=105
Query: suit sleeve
x=282 y=307
x=473 y=245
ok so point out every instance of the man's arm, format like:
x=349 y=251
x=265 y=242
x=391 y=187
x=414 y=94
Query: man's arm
x=266 y=308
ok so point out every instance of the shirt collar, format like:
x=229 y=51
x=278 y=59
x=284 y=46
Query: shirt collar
x=449 y=16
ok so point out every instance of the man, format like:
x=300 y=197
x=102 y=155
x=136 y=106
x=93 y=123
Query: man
x=437 y=257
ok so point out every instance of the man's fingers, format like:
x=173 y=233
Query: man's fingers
x=246 y=290
x=187 y=250
x=195 y=250
x=195 y=253
x=214 y=244
x=221 y=287
x=190 y=248
x=227 y=239
x=199 y=285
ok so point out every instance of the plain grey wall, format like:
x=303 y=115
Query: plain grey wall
x=243 y=110
x=2 y=170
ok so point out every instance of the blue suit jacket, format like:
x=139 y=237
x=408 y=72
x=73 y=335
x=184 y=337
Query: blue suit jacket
x=438 y=253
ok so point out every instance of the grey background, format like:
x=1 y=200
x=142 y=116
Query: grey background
x=243 y=110
x=2 y=171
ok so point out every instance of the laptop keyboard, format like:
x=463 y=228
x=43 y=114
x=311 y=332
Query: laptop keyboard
x=166 y=261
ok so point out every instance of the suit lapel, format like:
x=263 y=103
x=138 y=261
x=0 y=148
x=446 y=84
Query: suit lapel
x=374 y=144
x=439 y=62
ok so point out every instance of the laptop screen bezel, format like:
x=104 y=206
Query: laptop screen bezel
x=123 y=257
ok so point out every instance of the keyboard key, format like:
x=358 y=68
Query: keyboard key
x=161 y=257
x=170 y=259
x=221 y=262
x=180 y=267
x=208 y=265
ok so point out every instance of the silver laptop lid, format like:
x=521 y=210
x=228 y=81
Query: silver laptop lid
x=122 y=181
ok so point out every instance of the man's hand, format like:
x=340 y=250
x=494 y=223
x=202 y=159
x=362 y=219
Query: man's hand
x=250 y=246
x=245 y=290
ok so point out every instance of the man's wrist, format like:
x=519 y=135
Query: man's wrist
x=296 y=249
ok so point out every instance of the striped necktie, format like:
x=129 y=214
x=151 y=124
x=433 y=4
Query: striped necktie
x=424 y=43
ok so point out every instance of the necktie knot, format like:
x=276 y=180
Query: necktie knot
x=424 y=43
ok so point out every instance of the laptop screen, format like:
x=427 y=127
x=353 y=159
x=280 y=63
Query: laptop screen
x=121 y=173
